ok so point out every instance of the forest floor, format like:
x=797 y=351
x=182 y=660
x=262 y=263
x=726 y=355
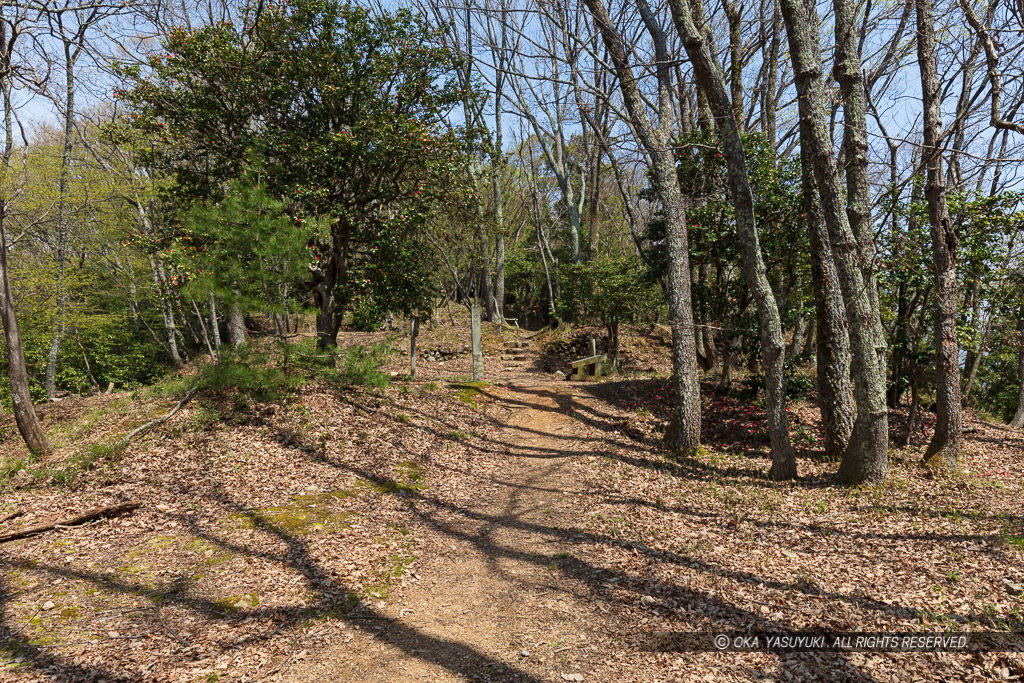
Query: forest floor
x=516 y=529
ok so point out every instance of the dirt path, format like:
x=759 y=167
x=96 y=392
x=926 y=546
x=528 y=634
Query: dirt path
x=494 y=606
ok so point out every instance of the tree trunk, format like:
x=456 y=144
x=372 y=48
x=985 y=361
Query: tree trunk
x=497 y=165
x=21 y=398
x=771 y=78
x=973 y=362
x=833 y=340
x=683 y=433
x=808 y=347
x=613 y=343
x=538 y=219
x=914 y=414
x=17 y=373
x=906 y=310
x=1018 y=417
x=594 y=204
x=796 y=343
x=168 y=314
x=202 y=328
x=734 y=17
x=94 y=386
x=236 y=325
x=70 y=56
x=486 y=291
x=728 y=351
x=867 y=454
x=896 y=361
x=944 y=447
x=706 y=339
x=499 y=277
x=547 y=277
x=710 y=79
x=214 y=324
x=848 y=73
x=332 y=308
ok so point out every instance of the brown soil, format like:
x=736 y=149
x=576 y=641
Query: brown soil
x=493 y=605
x=519 y=530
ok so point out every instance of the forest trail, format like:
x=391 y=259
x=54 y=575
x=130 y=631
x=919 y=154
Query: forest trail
x=493 y=607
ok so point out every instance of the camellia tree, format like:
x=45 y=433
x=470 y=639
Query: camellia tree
x=609 y=291
x=344 y=111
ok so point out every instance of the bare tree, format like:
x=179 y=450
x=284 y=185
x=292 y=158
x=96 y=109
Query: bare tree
x=711 y=80
x=70 y=23
x=945 y=444
x=866 y=456
x=21 y=398
x=683 y=433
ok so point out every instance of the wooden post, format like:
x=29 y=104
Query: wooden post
x=414 y=330
x=593 y=346
x=478 y=356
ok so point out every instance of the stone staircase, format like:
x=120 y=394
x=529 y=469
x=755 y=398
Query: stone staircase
x=513 y=355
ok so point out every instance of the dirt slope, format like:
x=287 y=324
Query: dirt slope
x=493 y=605
x=520 y=529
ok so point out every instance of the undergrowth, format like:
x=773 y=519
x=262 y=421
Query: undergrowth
x=263 y=373
x=65 y=473
x=353 y=366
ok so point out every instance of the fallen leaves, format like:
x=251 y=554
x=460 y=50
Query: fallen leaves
x=253 y=528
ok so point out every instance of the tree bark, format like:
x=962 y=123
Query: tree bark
x=538 y=218
x=914 y=413
x=809 y=339
x=796 y=343
x=202 y=329
x=497 y=164
x=683 y=433
x=848 y=74
x=21 y=399
x=1018 y=417
x=833 y=339
x=332 y=307
x=973 y=362
x=769 y=98
x=711 y=80
x=236 y=324
x=499 y=277
x=944 y=446
x=734 y=17
x=214 y=324
x=594 y=204
x=17 y=373
x=866 y=457
x=167 y=312
x=70 y=57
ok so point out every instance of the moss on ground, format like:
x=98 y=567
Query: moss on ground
x=304 y=515
x=468 y=392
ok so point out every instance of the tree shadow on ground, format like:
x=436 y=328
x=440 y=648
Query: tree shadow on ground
x=481 y=530
x=594 y=580
x=328 y=600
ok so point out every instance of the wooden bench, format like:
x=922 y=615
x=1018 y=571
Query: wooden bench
x=587 y=369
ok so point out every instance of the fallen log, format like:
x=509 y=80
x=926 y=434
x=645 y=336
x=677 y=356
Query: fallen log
x=142 y=429
x=84 y=518
x=13 y=515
